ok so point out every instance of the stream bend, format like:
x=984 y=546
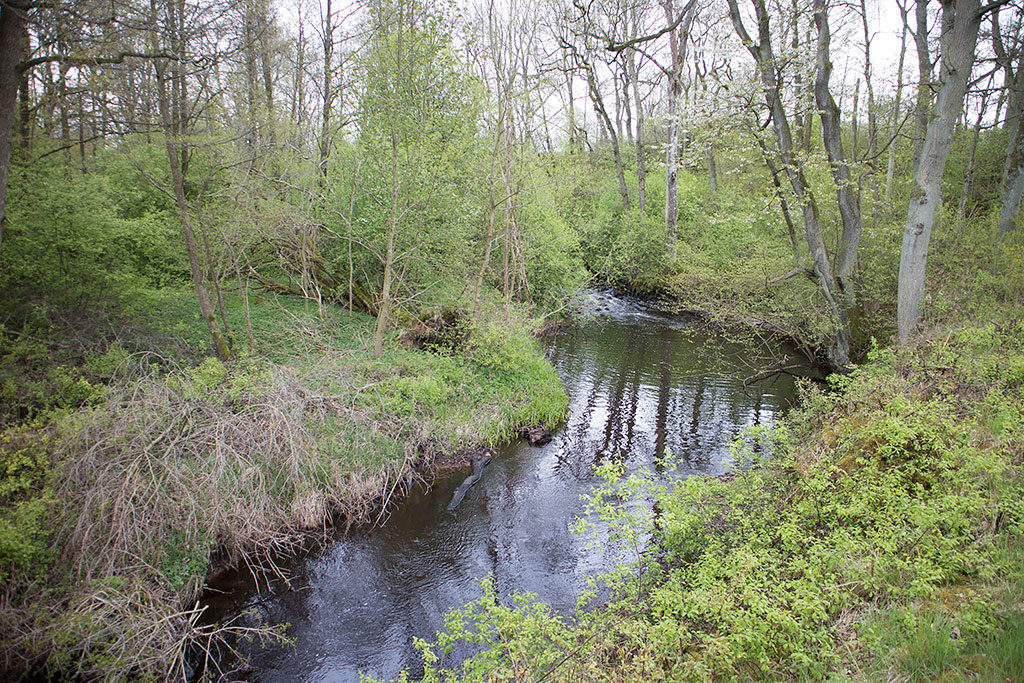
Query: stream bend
x=640 y=384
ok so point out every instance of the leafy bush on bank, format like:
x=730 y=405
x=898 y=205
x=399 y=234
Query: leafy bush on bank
x=877 y=534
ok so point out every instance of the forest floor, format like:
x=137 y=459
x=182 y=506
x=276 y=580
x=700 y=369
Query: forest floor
x=133 y=464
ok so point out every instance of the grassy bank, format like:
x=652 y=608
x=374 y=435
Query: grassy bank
x=878 y=534
x=135 y=461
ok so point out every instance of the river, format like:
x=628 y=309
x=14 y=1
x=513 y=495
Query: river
x=640 y=383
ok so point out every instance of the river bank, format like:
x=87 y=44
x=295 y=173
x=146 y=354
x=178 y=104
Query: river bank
x=748 y=319
x=876 y=533
x=641 y=384
x=115 y=511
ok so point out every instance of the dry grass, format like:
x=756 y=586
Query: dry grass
x=151 y=459
x=154 y=482
x=170 y=472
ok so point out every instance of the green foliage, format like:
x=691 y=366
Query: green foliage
x=33 y=382
x=71 y=240
x=25 y=543
x=184 y=560
x=637 y=255
x=25 y=501
x=210 y=374
x=554 y=261
x=499 y=381
x=516 y=639
x=877 y=530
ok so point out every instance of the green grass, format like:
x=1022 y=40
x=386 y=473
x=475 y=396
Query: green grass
x=112 y=504
x=499 y=382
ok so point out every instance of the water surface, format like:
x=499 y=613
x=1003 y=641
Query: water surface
x=640 y=384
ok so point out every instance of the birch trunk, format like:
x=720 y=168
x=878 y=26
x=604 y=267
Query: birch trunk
x=678 y=40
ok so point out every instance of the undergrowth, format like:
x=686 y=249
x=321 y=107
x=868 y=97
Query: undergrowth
x=876 y=534
x=113 y=505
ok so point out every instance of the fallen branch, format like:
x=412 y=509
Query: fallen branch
x=479 y=462
x=791 y=274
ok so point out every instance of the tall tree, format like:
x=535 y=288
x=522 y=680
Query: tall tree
x=578 y=32
x=13 y=15
x=925 y=69
x=327 y=96
x=1013 y=168
x=961 y=20
x=890 y=171
x=173 y=24
x=831 y=133
x=768 y=70
x=679 y=39
x=416 y=119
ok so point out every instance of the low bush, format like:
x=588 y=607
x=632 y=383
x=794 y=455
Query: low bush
x=876 y=533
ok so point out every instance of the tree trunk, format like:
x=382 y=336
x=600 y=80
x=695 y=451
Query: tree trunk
x=12 y=31
x=384 y=310
x=961 y=209
x=764 y=57
x=890 y=171
x=485 y=261
x=869 y=87
x=24 y=96
x=641 y=166
x=509 y=255
x=960 y=23
x=780 y=193
x=709 y=155
x=678 y=40
x=619 y=108
x=328 y=101
x=854 y=120
x=831 y=134
x=798 y=75
x=177 y=180
x=300 y=54
x=268 y=78
x=924 y=73
x=595 y=96
x=1013 y=169
x=251 y=120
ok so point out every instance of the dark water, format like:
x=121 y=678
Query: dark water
x=639 y=383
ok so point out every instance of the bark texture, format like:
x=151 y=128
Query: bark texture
x=831 y=133
x=1013 y=172
x=12 y=29
x=960 y=23
x=678 y=40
